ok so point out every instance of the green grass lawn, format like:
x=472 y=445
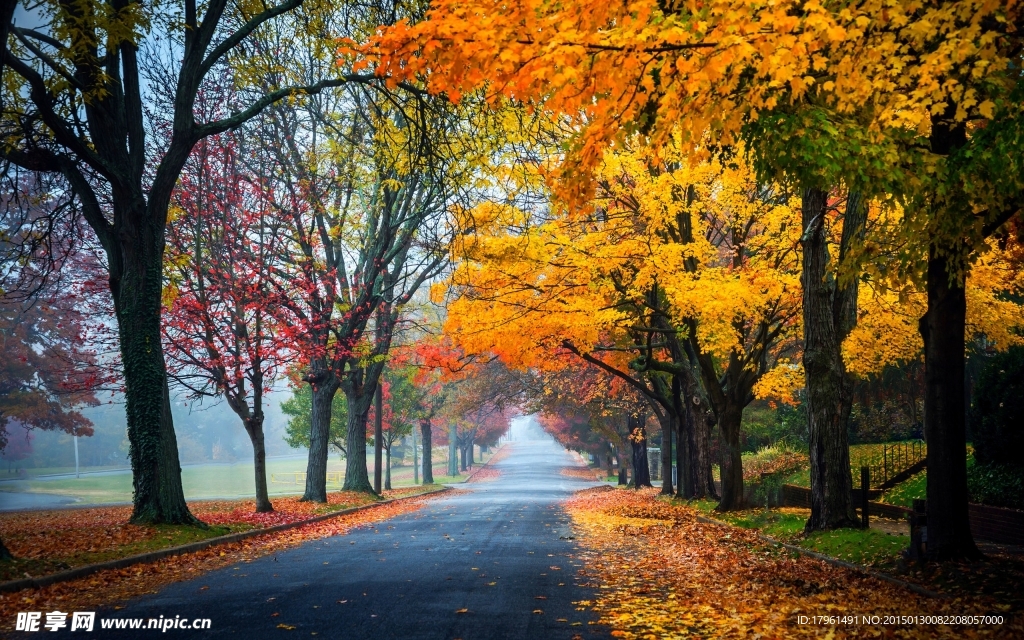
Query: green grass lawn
x=235 y=480
x=904 y=494
x=869 y=547
x=859 y=453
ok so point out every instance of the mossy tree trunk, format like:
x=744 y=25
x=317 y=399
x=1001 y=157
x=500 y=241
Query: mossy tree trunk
x=136 y=283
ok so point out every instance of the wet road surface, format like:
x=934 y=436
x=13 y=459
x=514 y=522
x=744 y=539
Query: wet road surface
x=498 y=549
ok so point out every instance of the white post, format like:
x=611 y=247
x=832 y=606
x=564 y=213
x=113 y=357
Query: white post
x=76 y=457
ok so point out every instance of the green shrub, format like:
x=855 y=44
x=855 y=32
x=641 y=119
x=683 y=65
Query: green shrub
x=765 y=425
x=999 y=485
x=778 y=459
x=996 y=413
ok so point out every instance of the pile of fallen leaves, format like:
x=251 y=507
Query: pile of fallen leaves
x=583 y=473
x=484 y=474
x=659 y=572
x=288 y=509
x=113 y=586
x=502 y=453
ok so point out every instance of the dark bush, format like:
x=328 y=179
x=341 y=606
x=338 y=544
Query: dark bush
x=1000 y=485
x=997 y=412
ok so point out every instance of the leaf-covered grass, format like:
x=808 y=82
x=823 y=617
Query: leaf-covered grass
x=659 y=572
x=45 y=542
x=904 y=494
x=995 y=485
x=871 y=547
x=859 y=454
x=154 y=538
x=112 y=586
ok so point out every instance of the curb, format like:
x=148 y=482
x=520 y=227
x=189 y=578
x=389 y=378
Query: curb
x=152 y=556
x=483 y=466
x=834 y=561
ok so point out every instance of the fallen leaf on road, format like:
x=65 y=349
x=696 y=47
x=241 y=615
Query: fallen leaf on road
x=286 y=626
x=462 y=611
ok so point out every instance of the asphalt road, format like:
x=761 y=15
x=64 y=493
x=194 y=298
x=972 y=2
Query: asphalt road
x=498 y=549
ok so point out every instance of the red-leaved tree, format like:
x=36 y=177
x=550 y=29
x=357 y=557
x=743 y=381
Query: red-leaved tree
x=220 y=337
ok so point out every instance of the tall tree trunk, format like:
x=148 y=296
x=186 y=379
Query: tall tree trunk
x=136 y=284
x=638 y=440
x=453 y=451
x=666 y=453
x=831 y=505
x=254 y=427
x=942 y=327
x=5 y=554
x=623 y=457
x=387 y=469
x=700 y=447
x=378 y=436
x=428 y=463
x=611 y=467
x=359 y=396
x=471 y=460
x=684 y=466
x=731 y=468
x=465 y=459
x=323 y=387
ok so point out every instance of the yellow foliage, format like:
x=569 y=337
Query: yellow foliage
x=716 y=245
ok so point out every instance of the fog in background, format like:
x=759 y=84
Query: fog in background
x=210 y=432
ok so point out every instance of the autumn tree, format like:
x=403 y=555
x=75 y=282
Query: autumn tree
x=50 y=316
x=75 y=105
x=399 y=399
x=435 y=361
x=679 y=278
x=221 y=339
x=928 y=92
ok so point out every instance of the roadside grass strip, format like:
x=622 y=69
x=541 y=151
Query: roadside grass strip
x=110 y=587
x=46 y=542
